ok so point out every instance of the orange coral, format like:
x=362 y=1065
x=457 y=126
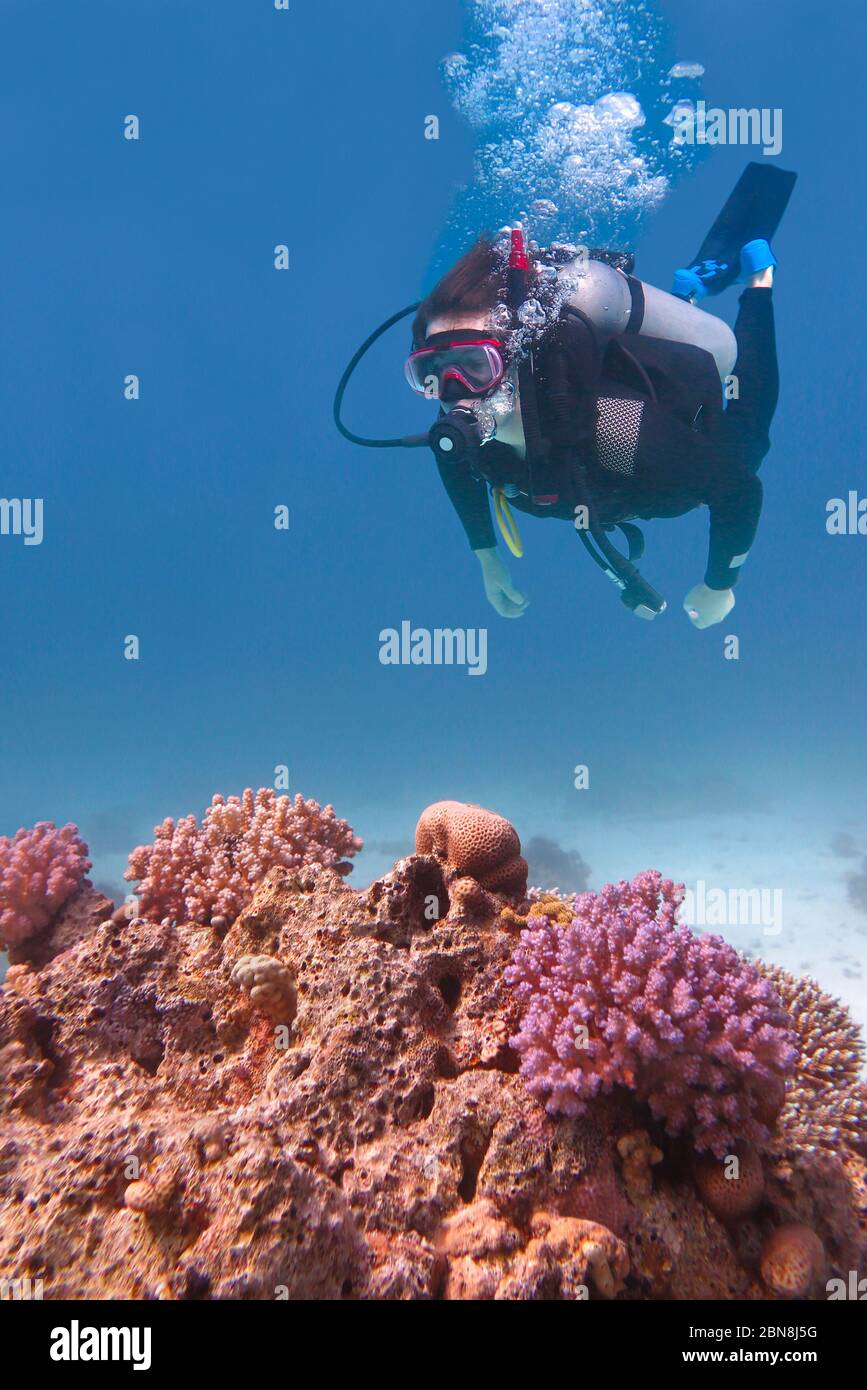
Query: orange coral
x=793 y=1258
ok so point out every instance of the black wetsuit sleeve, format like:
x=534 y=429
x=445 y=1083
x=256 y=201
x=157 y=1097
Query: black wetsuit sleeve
x=735 y=504
x=469 y=497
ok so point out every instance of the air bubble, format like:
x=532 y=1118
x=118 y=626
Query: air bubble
x=556 y=92
x=686 y=70
x=680 y=113
x=502 y=401
x=486 y=421
x=531 y=314
x=501 y=318
x=622 y=108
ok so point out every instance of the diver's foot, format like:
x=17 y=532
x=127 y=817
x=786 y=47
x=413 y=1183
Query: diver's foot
x=757 y=265
x=763 y=281
x=756 y=269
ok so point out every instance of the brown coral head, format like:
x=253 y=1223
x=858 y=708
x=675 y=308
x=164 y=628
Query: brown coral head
x=474 y=843
x=793 y=1260
x=732 y=1186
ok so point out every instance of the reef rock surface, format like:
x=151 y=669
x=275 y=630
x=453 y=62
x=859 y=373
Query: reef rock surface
x=321 y=1102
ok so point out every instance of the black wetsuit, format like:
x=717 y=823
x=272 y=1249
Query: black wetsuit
x=646 y=420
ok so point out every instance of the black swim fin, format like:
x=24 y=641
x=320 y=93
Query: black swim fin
x=753 y=211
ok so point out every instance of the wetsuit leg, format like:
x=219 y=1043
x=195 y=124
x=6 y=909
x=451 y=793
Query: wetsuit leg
x=748 y=418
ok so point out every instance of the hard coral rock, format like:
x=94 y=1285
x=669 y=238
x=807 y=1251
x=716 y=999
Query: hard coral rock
x=557 y=1257
x=326 y=1167
x=480 y=852
x=84 y=910
x=568 y=1254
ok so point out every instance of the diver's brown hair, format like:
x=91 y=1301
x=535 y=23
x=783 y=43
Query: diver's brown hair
x=473 y=284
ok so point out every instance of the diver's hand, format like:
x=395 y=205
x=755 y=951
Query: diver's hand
x=705 y=606
x=502 y=594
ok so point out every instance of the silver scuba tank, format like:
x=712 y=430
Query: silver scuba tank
x=615 y=304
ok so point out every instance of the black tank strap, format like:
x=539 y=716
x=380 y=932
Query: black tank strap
x=636 y=317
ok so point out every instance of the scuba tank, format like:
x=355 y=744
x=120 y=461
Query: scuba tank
x=456 y=436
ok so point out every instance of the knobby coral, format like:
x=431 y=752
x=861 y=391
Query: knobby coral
x=39 y=869
x=270 y=985
x=826 y=1099
x=624 y=996
x=208 y=873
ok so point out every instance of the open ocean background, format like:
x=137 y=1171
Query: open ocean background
x=260 y=647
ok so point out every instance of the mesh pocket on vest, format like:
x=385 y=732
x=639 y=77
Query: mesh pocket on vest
x=617 y=426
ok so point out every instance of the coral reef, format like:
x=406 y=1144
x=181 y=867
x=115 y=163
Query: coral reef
x=39 y=869
x=625 y=997
x=480 y=853
x=826 y=1099
x=320 y=1101
x=208 y=873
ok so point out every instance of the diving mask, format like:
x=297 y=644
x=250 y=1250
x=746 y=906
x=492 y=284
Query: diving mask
x=451 y=366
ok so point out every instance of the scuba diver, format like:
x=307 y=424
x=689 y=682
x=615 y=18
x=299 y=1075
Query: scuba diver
x=570 y=389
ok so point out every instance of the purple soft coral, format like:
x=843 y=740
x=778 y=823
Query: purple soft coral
x=624 y=996
x=39 y=869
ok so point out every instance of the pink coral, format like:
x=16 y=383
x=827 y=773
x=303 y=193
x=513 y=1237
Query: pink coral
x=209 y=873
x=39 y=869
x=624 y=996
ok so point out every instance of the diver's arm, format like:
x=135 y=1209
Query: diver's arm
x=469 y=497
x=501 y=592
x=735 y=508
x=735 y=505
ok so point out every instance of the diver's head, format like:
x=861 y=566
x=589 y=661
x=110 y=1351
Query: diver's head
x=458 y=356
x=467 y=295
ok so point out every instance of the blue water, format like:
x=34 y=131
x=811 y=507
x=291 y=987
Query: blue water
x=260 y=647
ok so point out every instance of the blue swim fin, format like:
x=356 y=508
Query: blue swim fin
x=753 y=212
